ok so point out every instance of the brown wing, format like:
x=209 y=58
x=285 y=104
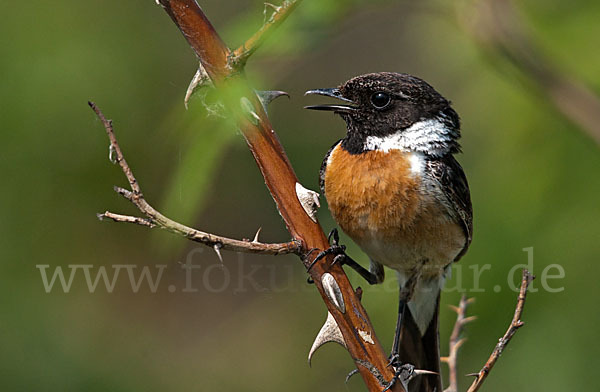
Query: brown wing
x=453 y=182
x=323 y=167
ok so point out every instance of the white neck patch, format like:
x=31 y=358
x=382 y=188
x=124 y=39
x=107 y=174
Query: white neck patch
x=417 y=163
x=430 y=136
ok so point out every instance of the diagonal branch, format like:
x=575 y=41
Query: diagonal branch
x=240 y=56
x=345 y=307
x=156 y=219
x=456 y=341
x=515 y=324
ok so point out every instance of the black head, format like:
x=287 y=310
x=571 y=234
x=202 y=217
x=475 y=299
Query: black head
x=384 y=108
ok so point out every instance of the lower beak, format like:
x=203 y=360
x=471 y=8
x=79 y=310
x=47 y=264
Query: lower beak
x=334 y=93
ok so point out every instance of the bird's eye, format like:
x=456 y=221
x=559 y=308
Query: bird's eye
x=380 y=100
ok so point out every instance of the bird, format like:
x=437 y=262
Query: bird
x=394 y=187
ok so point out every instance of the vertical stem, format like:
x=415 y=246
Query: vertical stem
x=281 y=181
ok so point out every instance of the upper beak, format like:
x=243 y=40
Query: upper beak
x=334 y=93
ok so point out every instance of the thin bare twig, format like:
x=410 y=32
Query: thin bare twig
x=515 y=324
x=156 y=219
x=456 y=341
x=240 y=56
x=126 y=218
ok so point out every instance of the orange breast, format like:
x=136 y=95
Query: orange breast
x=389 y=213
x=371 y=192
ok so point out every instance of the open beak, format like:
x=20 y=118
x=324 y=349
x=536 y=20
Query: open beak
x=334 y=93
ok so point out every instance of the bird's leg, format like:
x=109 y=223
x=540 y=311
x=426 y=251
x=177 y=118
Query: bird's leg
x=395 y=354
x=370 y=277
x=343 y=259
x=402 y=372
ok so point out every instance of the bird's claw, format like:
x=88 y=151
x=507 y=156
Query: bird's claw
x=334 y=249
x=336 y=237
x=338 y=250
x=402 y=373
x=394 y=360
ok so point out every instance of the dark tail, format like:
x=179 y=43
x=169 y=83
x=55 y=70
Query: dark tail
x=422 y=351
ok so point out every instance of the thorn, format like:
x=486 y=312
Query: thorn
x=217 y=247
x=124 y=192
x=266 y=97
x=275 y=7
x=199 y=80
x=352 y=373
x=460 y=343
x=255 y=240
x=365 y=336
x=309 y=201
x=359 y=293
x=467 y=320
x=444 y=359
x=276 y=10
x=333 y=291
x=100 y=216
x=330 y=332
x=472 y=375
x=111 y=154
x=454 y=308
x=419 y=372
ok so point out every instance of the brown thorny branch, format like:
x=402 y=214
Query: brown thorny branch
x=347 y=322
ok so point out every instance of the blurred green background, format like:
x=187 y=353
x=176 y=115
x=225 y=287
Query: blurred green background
x=249 y=326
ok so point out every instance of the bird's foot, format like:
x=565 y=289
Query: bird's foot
x=403 y=373
x=343 y=259
x=334 y=249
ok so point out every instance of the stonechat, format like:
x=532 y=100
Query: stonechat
x=393 y=185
